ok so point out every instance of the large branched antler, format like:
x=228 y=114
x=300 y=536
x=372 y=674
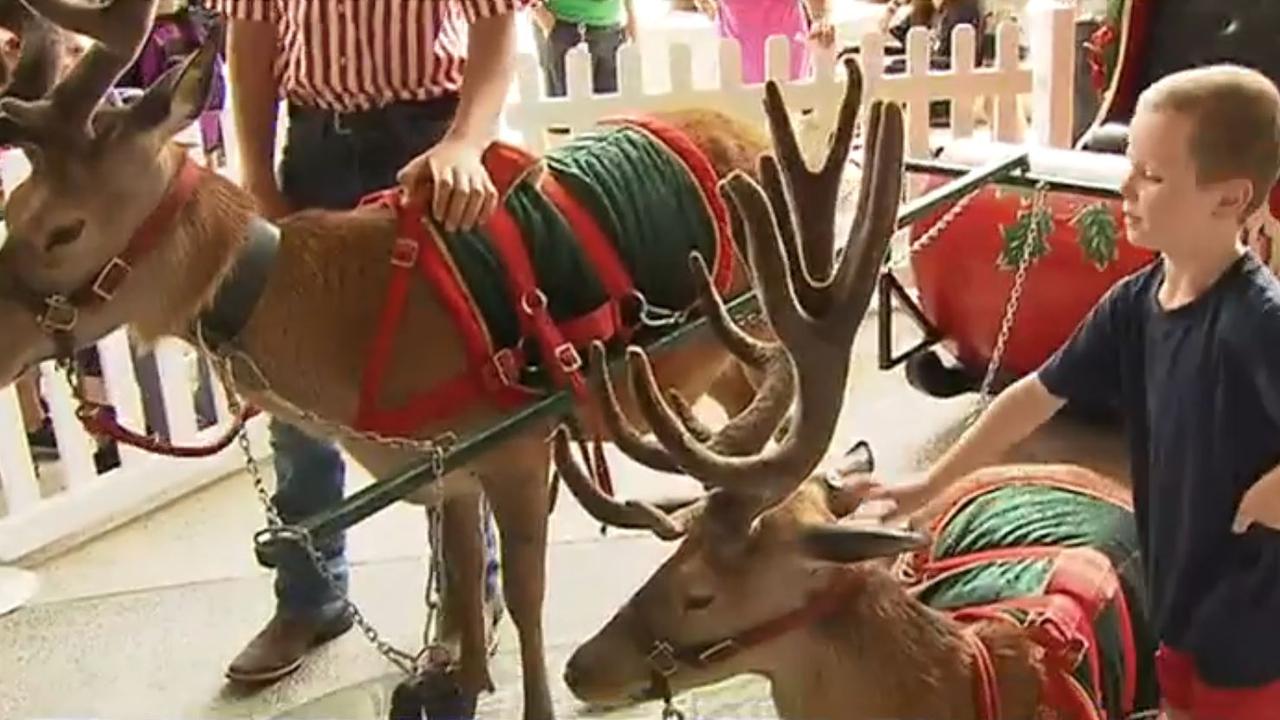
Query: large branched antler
x=38 y=62
x=64 y=115
x=815 y=320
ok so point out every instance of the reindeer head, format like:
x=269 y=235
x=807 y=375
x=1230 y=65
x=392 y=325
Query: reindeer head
x=764 y=540
x=98 y=171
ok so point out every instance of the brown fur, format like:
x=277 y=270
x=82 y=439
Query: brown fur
x=886 y=655
x=307 y=341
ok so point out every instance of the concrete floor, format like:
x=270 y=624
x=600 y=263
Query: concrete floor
x=140 y=622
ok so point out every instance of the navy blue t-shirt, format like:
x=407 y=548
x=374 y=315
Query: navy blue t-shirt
x=1199 y=389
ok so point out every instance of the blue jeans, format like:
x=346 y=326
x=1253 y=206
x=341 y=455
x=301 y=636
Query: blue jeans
x=602 y=46
x=331 y=162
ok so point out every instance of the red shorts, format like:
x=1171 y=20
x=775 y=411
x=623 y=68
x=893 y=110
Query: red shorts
x=1183 y=690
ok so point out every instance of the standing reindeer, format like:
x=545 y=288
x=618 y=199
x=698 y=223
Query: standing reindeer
x=770 y=578
x=116 y=226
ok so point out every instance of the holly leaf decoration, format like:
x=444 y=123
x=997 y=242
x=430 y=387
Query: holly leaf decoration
x=1097 y=231
x=1026 y=238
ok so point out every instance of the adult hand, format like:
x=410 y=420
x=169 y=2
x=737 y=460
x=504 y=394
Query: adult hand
x=544 y=19
x=822 y=33
x=453 y=179
x=710 y=8
x=630 y=29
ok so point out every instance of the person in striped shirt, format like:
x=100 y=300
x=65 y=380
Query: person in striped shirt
x=378 y=92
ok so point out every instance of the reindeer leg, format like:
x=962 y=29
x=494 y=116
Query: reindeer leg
x=464 y=594
x=519 y=492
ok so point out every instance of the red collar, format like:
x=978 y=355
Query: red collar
x=666 y=658
x=59 y=313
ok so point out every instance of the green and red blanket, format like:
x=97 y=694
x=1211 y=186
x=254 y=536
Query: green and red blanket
x=1054 y=549
x=586 y=242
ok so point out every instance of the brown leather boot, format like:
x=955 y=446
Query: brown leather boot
x=278 y=648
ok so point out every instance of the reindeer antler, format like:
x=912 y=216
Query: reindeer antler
x=815 y=322
x=65 y=114
x=37 y=68
x=818 y=333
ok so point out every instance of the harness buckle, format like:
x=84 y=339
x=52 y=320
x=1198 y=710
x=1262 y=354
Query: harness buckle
x=404 y=253
x=663 y=658
x=59 y=314
x=569 y=358
x=533 y=302
x=109 y=280
x=505 y=367
x=712 y=653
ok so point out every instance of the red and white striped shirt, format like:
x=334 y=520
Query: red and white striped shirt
x=346 y=55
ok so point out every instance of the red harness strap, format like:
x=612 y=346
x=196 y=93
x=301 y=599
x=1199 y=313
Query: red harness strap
x=495 y=371
x=1060 y=621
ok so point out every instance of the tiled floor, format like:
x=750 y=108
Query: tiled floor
x=140 y=623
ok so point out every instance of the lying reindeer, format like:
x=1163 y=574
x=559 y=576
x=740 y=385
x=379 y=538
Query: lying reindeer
x=116 y=226
x=1022 y=601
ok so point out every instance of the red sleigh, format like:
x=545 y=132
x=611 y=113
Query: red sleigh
x=965 y=257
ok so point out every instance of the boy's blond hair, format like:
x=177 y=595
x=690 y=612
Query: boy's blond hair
x=1235 y=114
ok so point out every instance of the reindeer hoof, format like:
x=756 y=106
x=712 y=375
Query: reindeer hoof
x=434 y=695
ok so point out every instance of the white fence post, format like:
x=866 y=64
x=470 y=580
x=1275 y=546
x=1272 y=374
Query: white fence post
x=1052 y=59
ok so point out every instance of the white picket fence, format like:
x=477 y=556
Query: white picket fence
x=1045 y=79
x=51 y=504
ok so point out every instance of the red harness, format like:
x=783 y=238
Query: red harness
x=1059 y=619
x=494 y=372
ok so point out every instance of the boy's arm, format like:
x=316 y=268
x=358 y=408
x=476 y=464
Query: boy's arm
x=462 y=194
x=1086 y=368
x=1261 y=502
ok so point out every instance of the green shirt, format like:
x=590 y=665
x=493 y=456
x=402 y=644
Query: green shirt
x=589 y=12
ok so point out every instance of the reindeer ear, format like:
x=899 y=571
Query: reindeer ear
x=850 y=544
x=181 y=94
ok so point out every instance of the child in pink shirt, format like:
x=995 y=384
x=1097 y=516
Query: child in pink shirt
x=751 y=22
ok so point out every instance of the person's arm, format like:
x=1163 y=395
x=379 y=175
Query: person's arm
x=252 y=47
x=821 y=30
x=1085 y=369
x=1260 y=357
x=462 y=194
x=632 y=24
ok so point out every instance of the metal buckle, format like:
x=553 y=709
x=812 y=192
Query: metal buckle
x=59 y=315
x=568 y=357
x=504 y=364
x=105 y=285
x=404 y=253
x=533 y=302
x=663 y=659
x=709 y=655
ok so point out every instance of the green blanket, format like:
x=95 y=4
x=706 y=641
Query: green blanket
x=1038 y=513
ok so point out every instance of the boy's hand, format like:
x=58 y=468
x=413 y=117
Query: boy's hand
x=1260 y=504
x=907 y=497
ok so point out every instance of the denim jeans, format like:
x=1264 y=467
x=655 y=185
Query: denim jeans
x=602 y=45
x=331 y=162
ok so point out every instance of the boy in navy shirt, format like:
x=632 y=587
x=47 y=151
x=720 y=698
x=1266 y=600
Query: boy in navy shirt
x=1189 y=348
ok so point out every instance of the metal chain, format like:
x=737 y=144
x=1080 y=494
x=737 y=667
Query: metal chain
x=277 y=529
x=1015 y=296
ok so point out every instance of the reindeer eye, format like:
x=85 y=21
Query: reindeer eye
x=695 y=603
x=64 y=235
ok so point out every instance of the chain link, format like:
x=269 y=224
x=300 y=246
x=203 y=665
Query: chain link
x=278 y=530
x=1015 y=297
